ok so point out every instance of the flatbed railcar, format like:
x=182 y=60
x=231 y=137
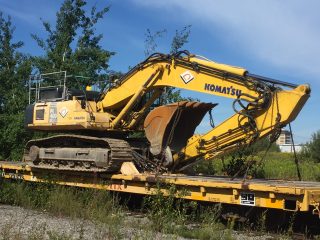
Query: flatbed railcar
x=300 y=196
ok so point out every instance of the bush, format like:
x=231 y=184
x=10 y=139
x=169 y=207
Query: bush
x=312 y=148
x=13 y=136
x=166 y=212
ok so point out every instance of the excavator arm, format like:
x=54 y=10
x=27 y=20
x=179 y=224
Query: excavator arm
x=261 y=106
x=160 y=70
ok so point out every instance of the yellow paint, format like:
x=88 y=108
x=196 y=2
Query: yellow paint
x=218 y=190
x=114 y=111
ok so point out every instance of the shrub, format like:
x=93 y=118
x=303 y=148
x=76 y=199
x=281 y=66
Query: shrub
x=312 y=148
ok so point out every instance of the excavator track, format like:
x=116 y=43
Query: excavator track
x=78 y=153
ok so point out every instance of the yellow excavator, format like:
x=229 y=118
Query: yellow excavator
x=96 y=128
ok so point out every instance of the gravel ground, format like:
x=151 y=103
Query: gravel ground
x=20 y=223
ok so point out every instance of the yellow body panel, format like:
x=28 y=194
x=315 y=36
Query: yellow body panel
x=171 y=77
x=70 y=116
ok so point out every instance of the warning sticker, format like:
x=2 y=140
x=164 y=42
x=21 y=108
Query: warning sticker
x=53 y=113
x=187 y=77
x=247 y=199
x=63 y=112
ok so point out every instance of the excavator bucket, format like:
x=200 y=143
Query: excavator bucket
x=172 y=125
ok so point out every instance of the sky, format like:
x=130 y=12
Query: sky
x=273 y=38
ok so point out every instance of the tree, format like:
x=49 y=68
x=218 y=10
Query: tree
x=15 y=69
x=74 y=27
x=178 y=41
x=150 y=41
x=312 y=148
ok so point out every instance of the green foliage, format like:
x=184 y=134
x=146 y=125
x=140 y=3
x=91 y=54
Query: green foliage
x=276 y=165
x=13 y=136
x=205 y=167
x=15 y=68
x=173 y=95
x=312 y=148
x=183 y=218
x=243 y=161
x=263 y=145
x=62 y=201
x=150 y=42
x=71 y=45
x=236 y=166
x=74 y=27
x=180 y=39
x=177 y=216
x=166 y=211
x=100 y=207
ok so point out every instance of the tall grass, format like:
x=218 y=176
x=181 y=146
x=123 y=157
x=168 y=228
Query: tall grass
x=63 y=201
x=184 y=218
x=282 y=165
x=164 y=215
x=275 y=165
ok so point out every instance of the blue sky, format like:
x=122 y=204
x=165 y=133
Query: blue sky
x=278 y=39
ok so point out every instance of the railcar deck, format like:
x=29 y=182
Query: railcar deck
x=300 y=196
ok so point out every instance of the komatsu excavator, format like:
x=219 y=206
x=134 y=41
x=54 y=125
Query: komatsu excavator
x=96 y=128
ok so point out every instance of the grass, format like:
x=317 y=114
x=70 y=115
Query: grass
x=96 y=206
x=61 y=201
x=282 y=165
x=276 y=165
x=183 y=218
x=166 y=217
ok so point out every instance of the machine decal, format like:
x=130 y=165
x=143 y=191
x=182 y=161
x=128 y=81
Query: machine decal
x=224 y=90
x=186 y=77
x=247 y=199
x=79 y=118
x=63 y=112
x=53 y=113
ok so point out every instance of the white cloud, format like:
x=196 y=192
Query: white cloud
x=282 y=33
x=28 y=13
x=23 y=16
